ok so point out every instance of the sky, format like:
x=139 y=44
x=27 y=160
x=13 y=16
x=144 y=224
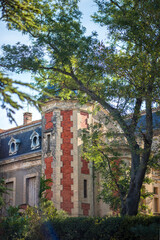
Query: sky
x=87 y=7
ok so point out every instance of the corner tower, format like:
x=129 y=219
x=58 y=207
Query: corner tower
x=72 y=186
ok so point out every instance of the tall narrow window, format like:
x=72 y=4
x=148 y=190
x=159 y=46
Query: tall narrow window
x=48 y=142
x=156 y=207
x=85 y=188
x=9 y=195
x=155 y=190
x=31 y=191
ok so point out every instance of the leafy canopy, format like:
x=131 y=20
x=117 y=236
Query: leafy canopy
x=18 y=15
x=123 y=77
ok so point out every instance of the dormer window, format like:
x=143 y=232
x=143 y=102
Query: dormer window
x=35 y=143
x=13 y=146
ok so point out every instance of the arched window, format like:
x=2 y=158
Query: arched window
x=13 y=146
x=35 y=143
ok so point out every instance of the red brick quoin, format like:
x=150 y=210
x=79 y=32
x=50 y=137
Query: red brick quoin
x=85 y=208
x=66 y=159
x=84 y=124
x=48 y=174
x=49 y=123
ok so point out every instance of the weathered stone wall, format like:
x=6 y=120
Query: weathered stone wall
x=70 y=170
x=73 y=188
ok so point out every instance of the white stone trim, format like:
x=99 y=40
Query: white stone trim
x=13 y=146
x=35 y=144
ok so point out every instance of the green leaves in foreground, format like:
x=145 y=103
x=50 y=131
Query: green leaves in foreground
x=19 y=14
x=3 y=190
x=103 y=149
x=8 y=91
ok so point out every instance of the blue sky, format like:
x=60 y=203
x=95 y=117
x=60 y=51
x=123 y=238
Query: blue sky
x=87 y=7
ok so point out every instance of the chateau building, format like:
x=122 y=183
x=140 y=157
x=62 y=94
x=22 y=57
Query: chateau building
x=52 y=147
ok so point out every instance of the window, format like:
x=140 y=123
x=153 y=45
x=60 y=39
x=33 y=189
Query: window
x=9 y=195
x=85 y=188
x=31 y=191
x=156 y=207
x=48 y=142
x=155 y=190
x=13 y=146
x=35 y=143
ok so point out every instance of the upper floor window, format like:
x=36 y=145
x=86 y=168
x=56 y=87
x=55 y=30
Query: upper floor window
x=13 y=146
x=48 y=142
x=85 y=188
x=155 y=190
x=35 y=143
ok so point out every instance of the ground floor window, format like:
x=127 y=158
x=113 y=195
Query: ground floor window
x=30 y=189
x=156 y=205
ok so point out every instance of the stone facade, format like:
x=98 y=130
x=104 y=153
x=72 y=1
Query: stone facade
x=21 y=170
x=52 y=147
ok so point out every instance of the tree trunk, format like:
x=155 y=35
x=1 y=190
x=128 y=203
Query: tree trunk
x=132 y=202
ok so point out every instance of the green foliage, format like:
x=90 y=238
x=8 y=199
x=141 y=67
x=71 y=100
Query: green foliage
x=45 y=222
x=114 y=228
x=37 y=217
x=103 y=149
x=123 y=77
x=44 y=185
x=19 y=14
x=28 y=225
x=8 y=90
x=131 y=21
x=14 y=226
x=146 y=232
x=3 y=190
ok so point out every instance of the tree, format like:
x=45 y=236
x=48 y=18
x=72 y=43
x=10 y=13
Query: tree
x=18 y=15
x=122 y=78
x=104 y=145
x=8 y=88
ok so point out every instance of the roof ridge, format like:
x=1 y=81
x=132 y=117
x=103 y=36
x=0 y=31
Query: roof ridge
x=10 y=129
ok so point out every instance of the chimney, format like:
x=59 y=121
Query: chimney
x=27 y=118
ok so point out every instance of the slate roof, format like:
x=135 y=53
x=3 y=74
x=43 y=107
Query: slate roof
x=25 y=142
x=15 y=128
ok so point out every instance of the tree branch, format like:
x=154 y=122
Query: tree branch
x=115 y=3
x=136 y=114
x=114 y=112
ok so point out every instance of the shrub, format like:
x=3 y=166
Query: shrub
x=29 y=225
x=111 y=228
x=14 y=226
x=46 y=223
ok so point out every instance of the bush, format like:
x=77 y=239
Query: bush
x=29 y=225
x=111 y=228
x=14 y=226
x=46 y=223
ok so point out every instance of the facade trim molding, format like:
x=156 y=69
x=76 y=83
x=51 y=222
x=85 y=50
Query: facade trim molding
x=19 y=157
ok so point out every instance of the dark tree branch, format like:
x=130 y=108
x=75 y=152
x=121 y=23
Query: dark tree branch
x=115 y=3
x=136 y=114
